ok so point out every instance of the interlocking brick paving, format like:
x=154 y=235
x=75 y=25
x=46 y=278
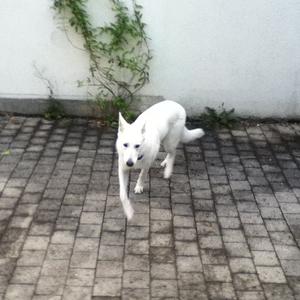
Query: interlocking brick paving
x=226 y=226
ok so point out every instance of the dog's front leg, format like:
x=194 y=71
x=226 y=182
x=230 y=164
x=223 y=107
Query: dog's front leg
x=140 y=183
x=123 y=182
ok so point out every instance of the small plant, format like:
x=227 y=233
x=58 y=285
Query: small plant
x=110 y=109
x=213 y=118
x=55 y=110
x=5 y=153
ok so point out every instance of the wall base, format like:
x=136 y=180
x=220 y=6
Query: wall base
x=80 y=108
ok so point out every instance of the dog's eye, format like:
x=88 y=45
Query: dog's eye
x=136 y=146
x=125 y=145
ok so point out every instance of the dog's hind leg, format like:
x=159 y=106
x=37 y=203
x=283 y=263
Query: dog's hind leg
x=170 y=144
x=140 y=182
x=123 y=181
x=169 y=163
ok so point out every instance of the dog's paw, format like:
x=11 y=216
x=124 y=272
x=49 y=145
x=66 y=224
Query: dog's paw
x=168 y=173
x=164 y=163
x=129 y=212
x=201 y=133
x=138 y=189
x=128 y=209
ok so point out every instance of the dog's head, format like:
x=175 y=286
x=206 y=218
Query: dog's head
x=130 y=142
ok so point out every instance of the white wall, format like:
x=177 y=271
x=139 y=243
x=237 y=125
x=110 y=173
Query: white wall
x=243 y=53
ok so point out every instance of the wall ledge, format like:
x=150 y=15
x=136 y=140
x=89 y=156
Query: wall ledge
x=80 y=108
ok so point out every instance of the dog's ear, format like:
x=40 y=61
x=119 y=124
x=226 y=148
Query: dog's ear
x=143 y=128
x=122 y=123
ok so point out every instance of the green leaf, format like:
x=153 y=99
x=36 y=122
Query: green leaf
x=6 y=152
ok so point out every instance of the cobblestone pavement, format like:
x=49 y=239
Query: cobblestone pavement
x=226 y=226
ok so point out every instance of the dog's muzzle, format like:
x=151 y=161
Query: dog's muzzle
x=129 y=163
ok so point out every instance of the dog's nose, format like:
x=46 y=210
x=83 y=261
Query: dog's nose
x=129 y=163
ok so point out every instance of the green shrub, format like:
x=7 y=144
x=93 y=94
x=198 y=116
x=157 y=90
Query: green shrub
x=219 y=118
x=55 y=110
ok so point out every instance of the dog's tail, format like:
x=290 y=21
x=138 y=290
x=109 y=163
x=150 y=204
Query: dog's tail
x=190 y=135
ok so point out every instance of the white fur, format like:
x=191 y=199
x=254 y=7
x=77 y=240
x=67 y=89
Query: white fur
x=138 y=144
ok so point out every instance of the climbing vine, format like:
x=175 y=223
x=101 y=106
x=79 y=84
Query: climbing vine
x=118 y=51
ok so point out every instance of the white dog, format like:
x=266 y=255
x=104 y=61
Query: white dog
x=138 y=144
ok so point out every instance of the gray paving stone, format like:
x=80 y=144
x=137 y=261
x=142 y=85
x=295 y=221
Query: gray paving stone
x=210 y=242
x=86 y=244
x=36 y=243
x=110 y=253
x=266 y=200
x=188 y=264
x=107 y=287
x=221 y=290
x=251 y=218
x=241 y=265
x=63 y=237
x=260 y=243
x=271 y=213
x=164 y=288
x=77 y=293
x=191 y=281
x=20 y=222
x=163 y=271
x=135 y=294
x=59 y=251
x=45 y=297
x=276 y=225
x=286 y=197
x=186 y=248
x=271 y=274
x=265 y=258
x=25 y=275
x=220 y=273
x=80 y=277
x=291 y=267
x=136 y=279
x=243 y=281
x=19 y=292
x=160 y=214
x=233 y=235
x=247 y=206
x=208 y=228
x=50 y=285
x=278 y=291
x=31 y=258
x=137 y=247
x=54 y=267
x=161 y=240
x=233 y=223
x=237 y=249
x=142 y=232
x=109 y=269
x=136 y=263
x=287 y=252
x=284 y=238
x=250 y=295
x=91 y=218
x=214 y=256
x=84 y=259
x=254 y=230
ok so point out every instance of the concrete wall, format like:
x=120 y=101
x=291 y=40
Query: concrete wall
x=243 y=53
